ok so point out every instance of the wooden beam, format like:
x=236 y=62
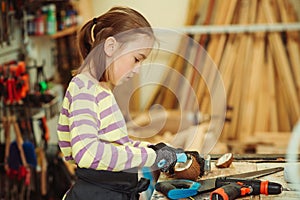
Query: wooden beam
x=282 y=65
x=273 y=114
x=215 y=51
x=288 y=15
x=166 y=98
x=200 y=55
x=251 y=74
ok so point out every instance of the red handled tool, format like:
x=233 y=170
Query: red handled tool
x=231 y=188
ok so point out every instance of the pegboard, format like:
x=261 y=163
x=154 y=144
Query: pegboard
x=12 y=50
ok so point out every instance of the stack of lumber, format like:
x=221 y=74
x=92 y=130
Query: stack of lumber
x=260 y=70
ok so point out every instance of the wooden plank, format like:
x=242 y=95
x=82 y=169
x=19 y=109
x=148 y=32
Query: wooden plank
x=166 y=98
x=273 y=114
x=187 y=97
x=215 y=51
x=288 y=15
x=200 y=55
x=251 y=75
x=169 y=99
x=234 y=98
x=262 y=81
x=239 y=67
x=282 y=65
x=262 y=110
x=283 y=115
x=186 y=94
x=227 y=62
x=227 y=71
x=211 y=48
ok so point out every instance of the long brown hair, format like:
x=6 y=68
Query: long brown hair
x=114 y=22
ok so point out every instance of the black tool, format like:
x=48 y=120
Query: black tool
x=182 y=188
x=232 y=188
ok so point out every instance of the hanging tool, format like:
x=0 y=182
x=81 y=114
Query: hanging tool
x=6 y=126
x=2 y=81
x=42 y=85
x=1 y=24
x=5 y=21
x=11 y=20
x=24 y=79
x=10 y=86
x=182 y=188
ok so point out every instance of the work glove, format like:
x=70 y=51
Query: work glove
x=165 y=157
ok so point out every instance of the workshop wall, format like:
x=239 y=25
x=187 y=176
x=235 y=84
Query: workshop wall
x=30 y=98
x=167 y=13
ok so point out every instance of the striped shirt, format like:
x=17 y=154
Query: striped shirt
x=92 y=132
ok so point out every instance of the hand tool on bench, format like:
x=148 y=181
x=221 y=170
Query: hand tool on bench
x=232 y=188
x=181 y=188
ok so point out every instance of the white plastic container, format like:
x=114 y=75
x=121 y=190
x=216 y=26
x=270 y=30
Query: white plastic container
x=292 y=168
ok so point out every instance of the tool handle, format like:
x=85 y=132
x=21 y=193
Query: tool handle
x=227 y=192
x=164 y=187
x=177 y=189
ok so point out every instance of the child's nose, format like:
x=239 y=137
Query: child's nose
x=136 y=69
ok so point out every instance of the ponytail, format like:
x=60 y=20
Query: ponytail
x=85 y=39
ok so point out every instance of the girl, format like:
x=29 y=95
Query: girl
x=91 y=129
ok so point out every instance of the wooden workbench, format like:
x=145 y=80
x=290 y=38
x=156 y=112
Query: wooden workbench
x=241 y=167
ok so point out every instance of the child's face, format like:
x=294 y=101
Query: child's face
x=128 y=63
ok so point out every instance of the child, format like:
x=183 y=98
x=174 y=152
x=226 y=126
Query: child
x=91 y=130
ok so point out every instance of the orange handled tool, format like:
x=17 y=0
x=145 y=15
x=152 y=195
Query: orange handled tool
x=231 y=188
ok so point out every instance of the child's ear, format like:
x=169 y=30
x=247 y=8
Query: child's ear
x=110 y=46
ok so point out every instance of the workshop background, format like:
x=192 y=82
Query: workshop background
x=259 y=66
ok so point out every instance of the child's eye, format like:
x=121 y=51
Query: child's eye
x=136 y=60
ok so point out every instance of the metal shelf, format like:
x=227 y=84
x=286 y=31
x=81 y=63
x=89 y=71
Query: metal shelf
x=238 y=28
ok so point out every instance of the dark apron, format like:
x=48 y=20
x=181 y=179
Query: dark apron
x=95 y=184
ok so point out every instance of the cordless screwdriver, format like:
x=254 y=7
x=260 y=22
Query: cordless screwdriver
x=232 y=188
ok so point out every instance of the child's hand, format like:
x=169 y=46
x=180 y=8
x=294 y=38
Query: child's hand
x=166 y=157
